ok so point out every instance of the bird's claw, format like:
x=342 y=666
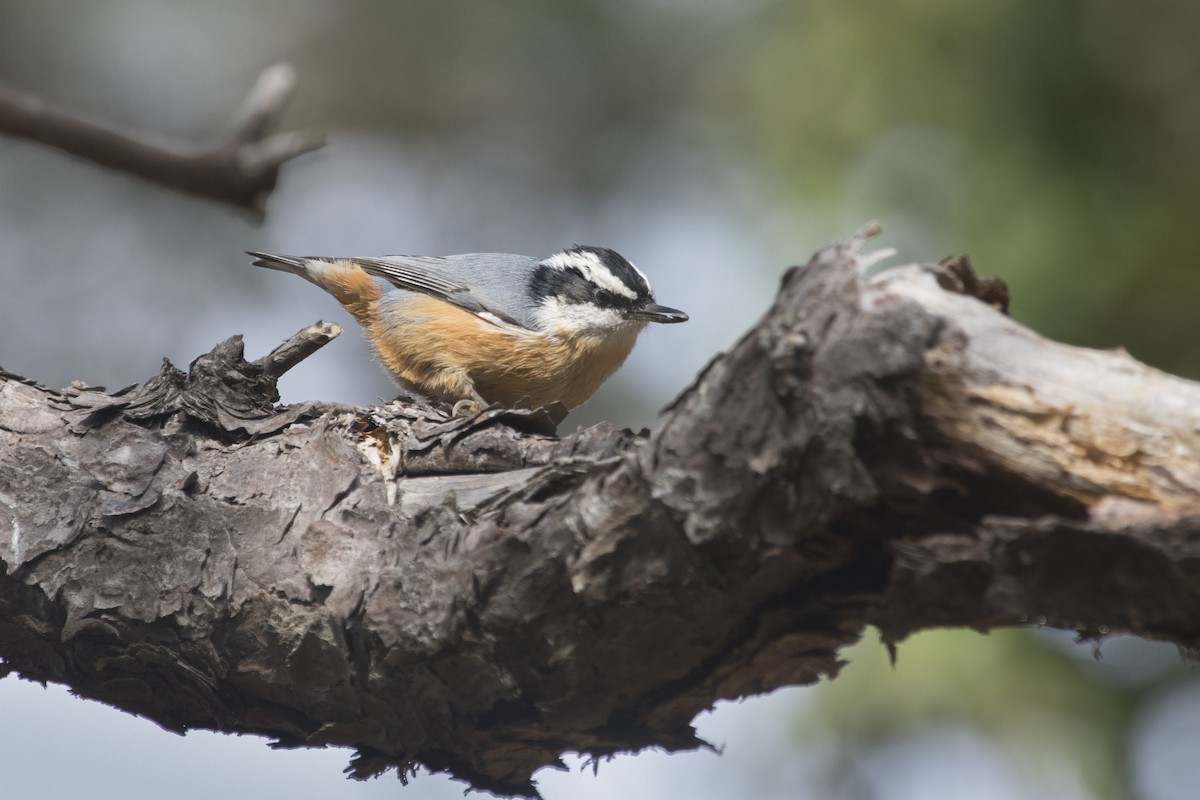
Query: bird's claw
x=466 y=408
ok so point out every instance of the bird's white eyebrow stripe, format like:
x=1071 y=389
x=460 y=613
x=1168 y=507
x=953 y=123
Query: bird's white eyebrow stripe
x=593 y=269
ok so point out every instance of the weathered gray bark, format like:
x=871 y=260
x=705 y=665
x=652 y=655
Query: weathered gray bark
x=479 y=595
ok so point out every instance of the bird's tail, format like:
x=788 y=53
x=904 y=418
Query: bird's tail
x=292 y=264
x=297 y=265
x=341 y=277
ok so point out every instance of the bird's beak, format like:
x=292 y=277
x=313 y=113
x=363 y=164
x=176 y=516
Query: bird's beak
x=657 y=313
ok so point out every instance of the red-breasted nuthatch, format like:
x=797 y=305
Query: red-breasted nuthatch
x=492 y=327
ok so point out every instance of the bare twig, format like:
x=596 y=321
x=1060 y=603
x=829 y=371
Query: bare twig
x=299 y=347
x=242 y=170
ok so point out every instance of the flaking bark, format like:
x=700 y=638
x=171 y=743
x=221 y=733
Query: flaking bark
x=480 y=595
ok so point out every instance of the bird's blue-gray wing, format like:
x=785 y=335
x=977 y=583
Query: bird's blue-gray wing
x=484 y=284
x=426 y=274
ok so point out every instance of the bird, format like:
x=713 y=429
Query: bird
x=477 y=329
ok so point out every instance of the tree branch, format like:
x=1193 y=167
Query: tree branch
x=478 y=595
x=241 y=170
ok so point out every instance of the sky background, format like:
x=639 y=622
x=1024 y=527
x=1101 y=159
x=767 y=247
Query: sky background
x=712 y=143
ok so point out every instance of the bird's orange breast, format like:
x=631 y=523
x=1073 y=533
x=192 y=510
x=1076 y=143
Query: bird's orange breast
x=441 y=349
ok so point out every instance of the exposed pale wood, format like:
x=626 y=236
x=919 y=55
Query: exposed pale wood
x=1096 y=426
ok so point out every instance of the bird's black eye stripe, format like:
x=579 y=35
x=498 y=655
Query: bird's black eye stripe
x=570 y=286
x=606 y=298
x=566 y=284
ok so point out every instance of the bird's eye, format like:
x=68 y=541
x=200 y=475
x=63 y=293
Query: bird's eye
x=605 y=297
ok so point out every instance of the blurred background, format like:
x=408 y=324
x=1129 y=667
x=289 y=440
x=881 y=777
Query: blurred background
x=714 y=144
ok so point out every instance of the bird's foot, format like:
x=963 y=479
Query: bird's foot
x=467 y=408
